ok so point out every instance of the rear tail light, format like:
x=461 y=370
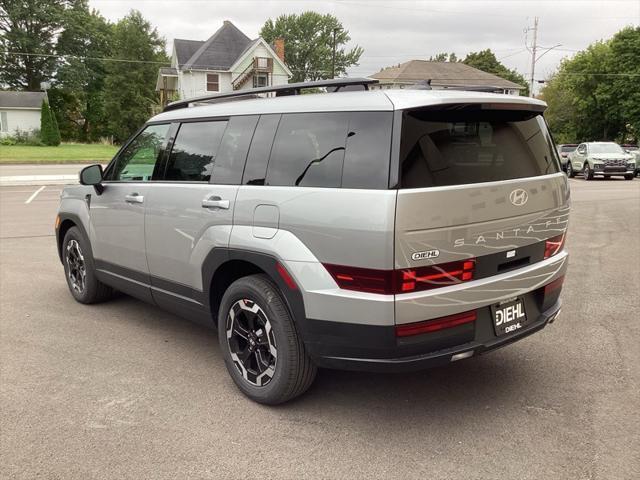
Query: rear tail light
x=553 y=245
x=435 y=276
x=436 y=324
x=362 y=279
x=408 y=280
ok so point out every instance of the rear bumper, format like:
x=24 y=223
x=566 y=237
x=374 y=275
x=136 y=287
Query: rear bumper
x=482 y=343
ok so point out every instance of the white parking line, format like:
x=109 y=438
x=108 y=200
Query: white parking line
x=34 y=195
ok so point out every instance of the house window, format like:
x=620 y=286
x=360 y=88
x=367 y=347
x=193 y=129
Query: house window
x=260 y=80
x=263 y=63
x=213 y=82
x=4 y=125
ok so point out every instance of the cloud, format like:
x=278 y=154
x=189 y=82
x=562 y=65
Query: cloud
x=392 y=32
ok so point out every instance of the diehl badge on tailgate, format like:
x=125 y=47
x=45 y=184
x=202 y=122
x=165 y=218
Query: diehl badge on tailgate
x=425 y=255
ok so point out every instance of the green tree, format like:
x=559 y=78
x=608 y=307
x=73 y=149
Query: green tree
x=49 y=134
x=624 y=85
x=309 y=42
x=561 y=112
x=129 y=88
x=78 y=89
x=486 y=61
x=595 y=94
x=28 y=30
x=444 y=57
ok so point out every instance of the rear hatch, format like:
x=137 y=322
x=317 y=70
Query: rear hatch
x=476 y=182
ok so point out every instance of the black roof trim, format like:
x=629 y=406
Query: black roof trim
x=280 y=90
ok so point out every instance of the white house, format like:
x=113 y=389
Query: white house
x=20 y=111
x=227 y=61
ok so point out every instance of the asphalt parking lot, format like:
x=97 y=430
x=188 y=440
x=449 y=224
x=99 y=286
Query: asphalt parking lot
x=125 y=390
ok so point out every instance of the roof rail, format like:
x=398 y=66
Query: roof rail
x=280 y=90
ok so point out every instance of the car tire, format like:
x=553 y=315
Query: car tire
x=79 y=269
x=629 y=176
x=570 y=172
x=587 y=172
x=262 y=350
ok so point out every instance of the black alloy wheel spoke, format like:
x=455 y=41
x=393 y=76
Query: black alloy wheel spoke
x=251 y=347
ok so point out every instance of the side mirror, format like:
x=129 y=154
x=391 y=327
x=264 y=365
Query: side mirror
x=92 y=175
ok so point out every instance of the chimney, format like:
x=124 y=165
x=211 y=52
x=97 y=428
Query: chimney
x=278 y=46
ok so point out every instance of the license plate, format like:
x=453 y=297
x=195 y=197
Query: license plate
x=508 y=316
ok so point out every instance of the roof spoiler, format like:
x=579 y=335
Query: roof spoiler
x=334 y=85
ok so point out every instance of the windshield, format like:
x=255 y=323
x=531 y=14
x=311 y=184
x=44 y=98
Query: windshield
x=605 y=148
x=568 y=148
x=472 y=145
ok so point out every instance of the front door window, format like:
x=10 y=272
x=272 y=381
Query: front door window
x=136 y=163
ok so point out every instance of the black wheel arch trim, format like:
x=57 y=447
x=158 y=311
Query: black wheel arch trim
x=75 y=219
x=219 y=256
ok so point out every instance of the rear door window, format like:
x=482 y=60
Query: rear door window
x=308 y=150
x=194 y=151
x=473 y=145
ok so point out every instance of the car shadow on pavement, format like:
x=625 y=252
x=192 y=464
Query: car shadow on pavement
x=491 y=380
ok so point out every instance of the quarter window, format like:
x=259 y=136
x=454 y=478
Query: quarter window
x=228 y=166
x=140 y=158
x=256 y=168
x=213 y=82
x=366 y=161
x=194 y=151
x=309 y=150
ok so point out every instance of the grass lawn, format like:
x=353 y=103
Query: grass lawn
x=64 y=153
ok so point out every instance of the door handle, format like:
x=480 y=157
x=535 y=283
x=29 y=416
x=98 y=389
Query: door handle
x=215 y=202
x=134 y=198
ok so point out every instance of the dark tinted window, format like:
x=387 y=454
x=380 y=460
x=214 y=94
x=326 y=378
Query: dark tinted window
x=137 y=162
x=232 y=153
x=194 y=151
x=450 y=147
x=308 y=150
x=255 y=170
x=366 y=161
x=568 y=148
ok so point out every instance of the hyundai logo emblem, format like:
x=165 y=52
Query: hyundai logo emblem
x=519 y=197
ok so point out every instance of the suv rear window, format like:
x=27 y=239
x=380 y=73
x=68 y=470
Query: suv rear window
x=473 y=145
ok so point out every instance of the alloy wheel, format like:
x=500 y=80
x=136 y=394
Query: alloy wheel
x=251 y=342
x=76 y=268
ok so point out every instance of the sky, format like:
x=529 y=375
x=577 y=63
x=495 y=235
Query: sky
x=394 y=31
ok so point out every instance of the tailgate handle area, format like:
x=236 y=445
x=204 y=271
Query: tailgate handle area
x=520 y=262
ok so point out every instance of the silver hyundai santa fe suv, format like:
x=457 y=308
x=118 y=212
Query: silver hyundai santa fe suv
x=369 y=230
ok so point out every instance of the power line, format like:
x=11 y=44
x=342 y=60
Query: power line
x=78 y=57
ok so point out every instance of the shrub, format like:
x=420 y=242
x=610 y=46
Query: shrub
x=49 y=133
x=25 y=137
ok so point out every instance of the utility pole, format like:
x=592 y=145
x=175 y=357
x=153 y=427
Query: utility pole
x=533 y=54
x=333 y=57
